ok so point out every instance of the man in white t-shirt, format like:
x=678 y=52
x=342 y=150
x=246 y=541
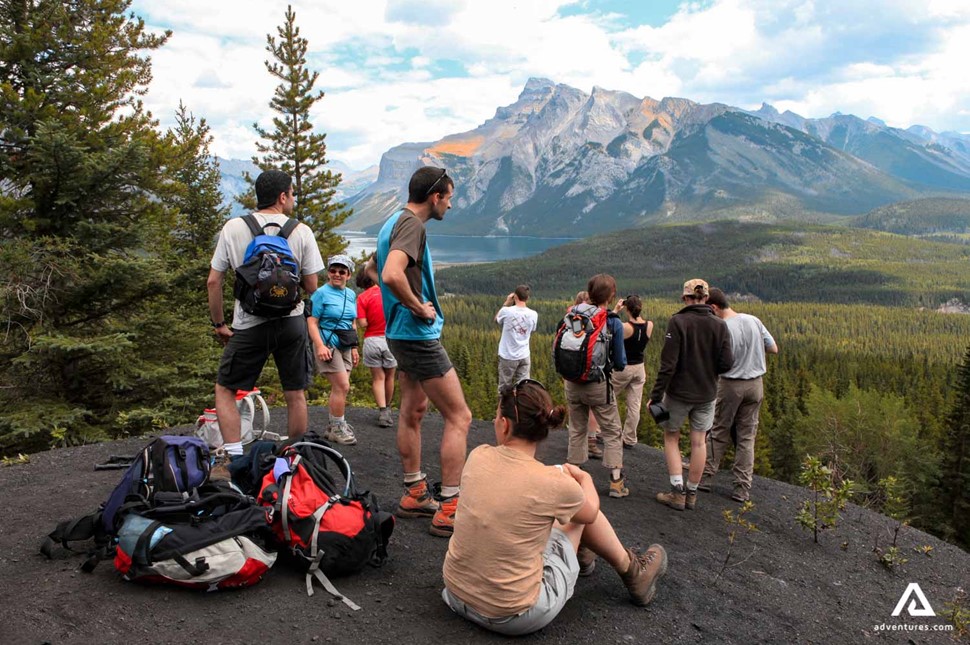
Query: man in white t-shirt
x=252 y=339
x=518 y=322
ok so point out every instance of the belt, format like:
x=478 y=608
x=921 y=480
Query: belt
x=728 y=378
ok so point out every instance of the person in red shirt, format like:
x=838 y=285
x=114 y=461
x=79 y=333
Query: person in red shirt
x=377 y=357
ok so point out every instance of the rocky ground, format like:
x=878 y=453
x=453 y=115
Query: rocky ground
x=783 y=589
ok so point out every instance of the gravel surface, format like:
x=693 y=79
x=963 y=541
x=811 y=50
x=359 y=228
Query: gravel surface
x=782 y=589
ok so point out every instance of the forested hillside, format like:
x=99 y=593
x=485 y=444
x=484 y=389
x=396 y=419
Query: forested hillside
x=770 y=262
x=866 y=387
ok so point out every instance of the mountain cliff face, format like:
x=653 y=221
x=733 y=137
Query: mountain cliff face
x=559 y=162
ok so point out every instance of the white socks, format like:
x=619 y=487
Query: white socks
x=677 y=480
x=234 y=448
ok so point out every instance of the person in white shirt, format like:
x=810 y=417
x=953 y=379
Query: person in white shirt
x=739 y=396
x=252 y=339
x=518 y=322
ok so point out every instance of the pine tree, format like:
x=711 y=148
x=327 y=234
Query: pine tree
x=292 y=146
x=87 y=208
x=201 y=213
x=955 y=482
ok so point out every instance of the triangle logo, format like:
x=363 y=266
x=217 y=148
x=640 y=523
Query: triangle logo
x=914 y=609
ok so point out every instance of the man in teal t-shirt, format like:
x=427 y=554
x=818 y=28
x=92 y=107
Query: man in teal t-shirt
x=405 y=274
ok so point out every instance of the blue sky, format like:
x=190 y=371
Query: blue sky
x=416 y=70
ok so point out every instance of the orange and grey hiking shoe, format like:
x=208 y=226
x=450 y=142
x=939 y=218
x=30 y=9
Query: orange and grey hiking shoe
x=618 y=486
x=417 y=501
x=443 y=522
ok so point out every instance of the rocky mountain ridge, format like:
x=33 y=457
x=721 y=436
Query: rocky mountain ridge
x=561 y=159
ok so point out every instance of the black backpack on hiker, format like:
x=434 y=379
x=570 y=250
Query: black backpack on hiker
x=268 y=280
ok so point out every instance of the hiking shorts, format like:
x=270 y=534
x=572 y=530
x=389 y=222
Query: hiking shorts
x=341 y=360
x=701 y=415
x=286 y=339
x=420 y=359
x=377 y=354
x=560 y=571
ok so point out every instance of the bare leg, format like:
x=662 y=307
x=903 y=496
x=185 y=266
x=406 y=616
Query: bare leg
x=672 y=453
x=414 y=403
x=339 y=389
x=445 y=392
x=378 y=386
x=297 y=417
x=601 y=539
x=389 y=375
x=698 y=455
x=228 y=413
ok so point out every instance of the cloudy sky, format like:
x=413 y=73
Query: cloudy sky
x=416 y=70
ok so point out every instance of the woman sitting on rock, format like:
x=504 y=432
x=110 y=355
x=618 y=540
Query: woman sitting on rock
x=525 y=531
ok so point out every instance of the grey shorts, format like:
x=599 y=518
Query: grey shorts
x=559 y=574
x=511 y=372
x=420 y=359
x=701 y=415
x=340 y=361
x=377 y=354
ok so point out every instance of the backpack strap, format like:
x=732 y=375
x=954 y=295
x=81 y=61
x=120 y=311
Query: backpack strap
x=253 y=224
x=288 y=228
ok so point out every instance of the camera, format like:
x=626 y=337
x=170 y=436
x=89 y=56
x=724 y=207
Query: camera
x=659 y=412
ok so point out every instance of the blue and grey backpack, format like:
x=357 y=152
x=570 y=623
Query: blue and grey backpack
x=268 y=280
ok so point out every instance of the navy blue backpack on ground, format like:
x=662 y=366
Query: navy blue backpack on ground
x=170 y=465
x=268 y=280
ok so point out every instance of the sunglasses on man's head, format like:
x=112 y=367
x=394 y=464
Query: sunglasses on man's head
x=338 y=271
x=444 y=173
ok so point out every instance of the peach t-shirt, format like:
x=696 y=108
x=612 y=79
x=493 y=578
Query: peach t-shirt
x=506 y=511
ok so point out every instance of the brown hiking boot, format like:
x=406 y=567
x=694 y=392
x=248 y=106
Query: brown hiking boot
x=644 y=571
x=740 y=494
x=443 y=522
x=690 y=499
x=417 y=501
x=675 y=499
x=707 y=481
x=618 y=487
x=595 y=452
x=587 y=560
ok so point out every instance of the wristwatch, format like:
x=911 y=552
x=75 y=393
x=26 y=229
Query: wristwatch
x=217 y=325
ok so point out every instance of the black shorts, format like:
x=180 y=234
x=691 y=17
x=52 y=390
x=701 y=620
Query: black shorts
x=420 y=359
x=248 y=349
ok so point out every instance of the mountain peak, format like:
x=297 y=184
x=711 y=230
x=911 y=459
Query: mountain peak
x=767 y=110
x=536 y=84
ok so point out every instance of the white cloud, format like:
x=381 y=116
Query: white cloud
x=400 y=70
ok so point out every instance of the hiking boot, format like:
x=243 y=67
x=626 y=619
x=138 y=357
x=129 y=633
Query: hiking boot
x=417 y=501
x=443 y=522
x=740 y=494
x=595 y=452
x=384 y=419
x=644 y=572
x=618 y=487
x=675 y=499
x=690 y=499
x=587 y=560
x=341 y=433
x=221 y=464
x=705 y=483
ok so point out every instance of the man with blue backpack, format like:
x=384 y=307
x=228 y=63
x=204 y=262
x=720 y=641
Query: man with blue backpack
x=273 y=256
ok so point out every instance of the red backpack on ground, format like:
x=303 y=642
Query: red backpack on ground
x=581 y=349
x=331 y=529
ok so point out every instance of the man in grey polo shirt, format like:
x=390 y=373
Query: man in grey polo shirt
x=739 y=395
